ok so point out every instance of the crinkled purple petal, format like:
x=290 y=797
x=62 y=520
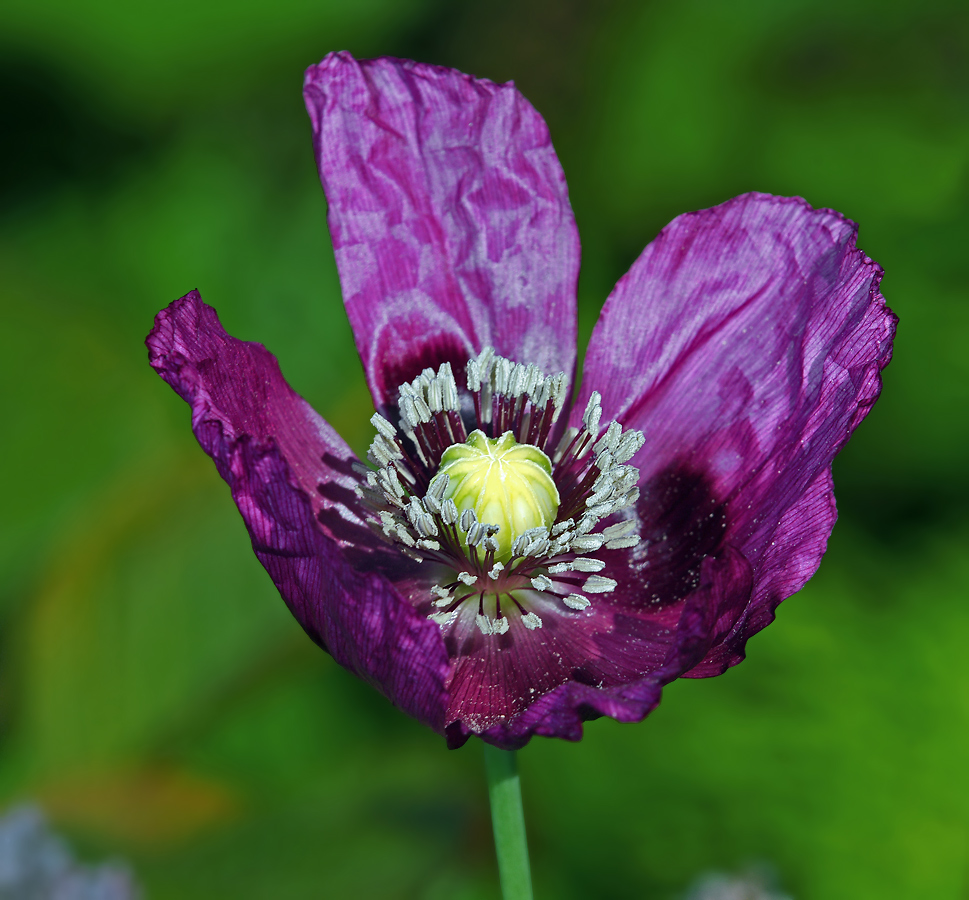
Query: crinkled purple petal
x=746 y=342
x=284 y=464
x=449 y=216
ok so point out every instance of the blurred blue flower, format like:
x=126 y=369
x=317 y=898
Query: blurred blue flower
x=35 y=864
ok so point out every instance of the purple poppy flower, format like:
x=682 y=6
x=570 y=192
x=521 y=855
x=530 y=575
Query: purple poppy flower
x=508 y=564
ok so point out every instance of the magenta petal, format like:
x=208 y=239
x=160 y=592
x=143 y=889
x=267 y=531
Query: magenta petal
x=449 y=216
x=287 y=470
x=746 y=342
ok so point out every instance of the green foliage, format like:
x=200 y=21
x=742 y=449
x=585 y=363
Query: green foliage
x=154 y=692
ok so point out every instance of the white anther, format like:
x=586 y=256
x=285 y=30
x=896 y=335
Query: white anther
x=489 y=543
x=383 y=426
x=467 y=578
x=609 y=440
x=431 y=504
x=542 y=583
x=531 y=621
x=476 y=534
x=593 y=414
x=499 y=626
x=585 y=564
x=426 y=526
x=483 y=623
x=560 y=545
x=540 y=393
x=630 y=444
x=504 y=369
x=601 y=510
x=435 y=396
x=449 y=512
x=486 y=360
x=414 y=510
x=605 y=461
x=449 y=388
x=443 y=596
x=389 y=520
x=626 y=477
x=389 y=483
x=533 y=376
x=586 y=524
x=474 y=376
x=623 y=542
x=559 y=568
x=382 y=452
x=528 y=543
x=496 y=570
x=576 y=601
x=468 y=518
x=404 y=536
x=423 y=410
x=408 y=412
x=428 y=544
x=560 y=527
x=438 y=486
x=603 y=493
x=620 y=529
x=516 y=380
x=586 y=543
x=444 y=618
x=599 y=584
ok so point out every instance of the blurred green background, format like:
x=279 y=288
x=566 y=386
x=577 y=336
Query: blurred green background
x=156 y=696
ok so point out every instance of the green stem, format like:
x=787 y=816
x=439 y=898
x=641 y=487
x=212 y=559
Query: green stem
x=508 y=821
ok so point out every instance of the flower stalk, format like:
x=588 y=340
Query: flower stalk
x=508 y=822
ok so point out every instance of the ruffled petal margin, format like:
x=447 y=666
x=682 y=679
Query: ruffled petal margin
x=449 y=216
x=279 y=459
x=747 y=342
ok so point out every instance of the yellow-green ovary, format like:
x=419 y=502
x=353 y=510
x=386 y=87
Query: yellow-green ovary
x=506 y=484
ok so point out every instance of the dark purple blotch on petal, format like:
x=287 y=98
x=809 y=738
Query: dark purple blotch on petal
x=747 y=342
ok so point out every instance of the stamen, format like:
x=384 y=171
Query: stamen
x=599 y=584
x=413 y=501
x=542 y=583
x=531 y=621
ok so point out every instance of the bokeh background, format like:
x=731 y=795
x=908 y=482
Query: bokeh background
x=155 y=695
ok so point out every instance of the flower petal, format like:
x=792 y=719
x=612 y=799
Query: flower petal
x=288 y=472
x=449 y=216
x=746 y=342
x=624 y=675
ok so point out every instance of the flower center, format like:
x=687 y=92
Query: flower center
x=506 y=484
x=506 y=522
